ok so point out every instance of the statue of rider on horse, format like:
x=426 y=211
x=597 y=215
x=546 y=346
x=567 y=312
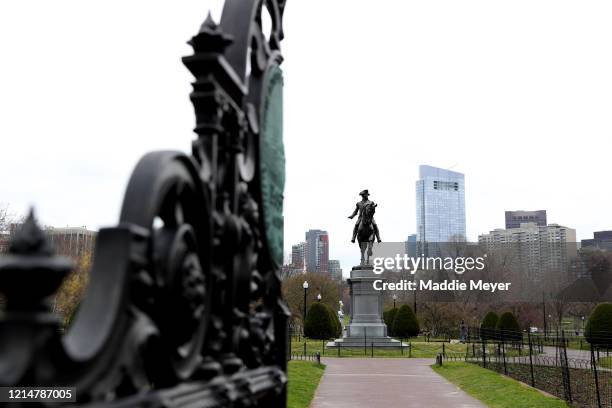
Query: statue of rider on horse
x=365 y=228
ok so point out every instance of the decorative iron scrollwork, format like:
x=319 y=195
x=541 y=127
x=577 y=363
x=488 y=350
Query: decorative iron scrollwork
x=184 y=306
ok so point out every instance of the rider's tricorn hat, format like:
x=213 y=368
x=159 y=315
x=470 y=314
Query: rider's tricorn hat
x=364 y=193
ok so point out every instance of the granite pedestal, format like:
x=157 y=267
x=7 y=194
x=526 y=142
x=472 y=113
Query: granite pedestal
x=366 y=326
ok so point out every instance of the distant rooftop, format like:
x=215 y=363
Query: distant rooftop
x=64 y=230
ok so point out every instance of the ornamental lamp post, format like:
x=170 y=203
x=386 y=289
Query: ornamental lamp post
x=544 y=314
x=394 y=299
x=550 y=319
x=319 y=297
x=305 y=286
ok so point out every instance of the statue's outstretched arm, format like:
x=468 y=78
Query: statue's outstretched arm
x=354 y=212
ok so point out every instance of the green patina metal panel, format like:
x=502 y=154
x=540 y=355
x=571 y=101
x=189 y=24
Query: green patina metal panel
x=272 y=162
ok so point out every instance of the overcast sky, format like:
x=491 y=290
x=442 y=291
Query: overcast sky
x=515 y=95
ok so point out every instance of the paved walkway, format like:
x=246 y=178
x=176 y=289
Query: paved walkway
x=388 y=383
x=571 y=353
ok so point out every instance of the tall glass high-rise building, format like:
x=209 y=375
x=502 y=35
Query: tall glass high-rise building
x=411 y=245
x=440 y=205
x=316 y=254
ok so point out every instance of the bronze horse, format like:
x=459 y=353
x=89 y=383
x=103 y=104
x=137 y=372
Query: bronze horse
x=365 y=233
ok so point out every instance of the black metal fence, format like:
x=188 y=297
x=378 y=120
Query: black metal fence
x=302 y=346
x=184 y=305
x=582 y=377
x=308 y=357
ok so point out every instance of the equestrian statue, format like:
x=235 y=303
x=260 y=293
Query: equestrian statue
x=365 y=228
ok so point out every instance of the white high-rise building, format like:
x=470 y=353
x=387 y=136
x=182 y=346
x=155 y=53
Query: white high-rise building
x=440 y=205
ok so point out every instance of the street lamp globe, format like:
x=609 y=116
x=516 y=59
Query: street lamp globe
x=305 y=285
x=319 y=297
x=394 y=296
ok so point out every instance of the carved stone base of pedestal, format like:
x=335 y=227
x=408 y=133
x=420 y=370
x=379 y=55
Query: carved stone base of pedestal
x=361 y=342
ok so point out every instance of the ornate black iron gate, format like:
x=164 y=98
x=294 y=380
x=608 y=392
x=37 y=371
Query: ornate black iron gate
x=184 y=305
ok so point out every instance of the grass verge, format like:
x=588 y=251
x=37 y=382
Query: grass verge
x=605 y=362
x=493 y=389
x=304 y=377
x=419 y=349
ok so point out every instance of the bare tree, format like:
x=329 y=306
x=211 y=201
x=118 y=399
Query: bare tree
x=319 y=283
x=6 y=217
x=437 y=317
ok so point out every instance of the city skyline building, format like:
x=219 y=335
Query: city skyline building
x=440 y=207
x=600 y=240
x=295 y=263
x=72 y=241
x=5 y=240
x=335 y=270
x=298 y=252
x=514 y=219
x=411 y=245
x=316 y=255
x=69 y=241
x=536 y=250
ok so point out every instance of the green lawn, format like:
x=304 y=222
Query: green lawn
x=493 y=389
x=605 y=362
x=425 y=350
x=419 y=349
x=304 y=377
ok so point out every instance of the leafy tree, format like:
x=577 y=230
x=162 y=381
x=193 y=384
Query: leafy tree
x=488 y=326
x=70 y=319
x=405 y=323
x=508 y=328
x=319 y=324
x=598 y=329
x=388 y=317
x=70 y=293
